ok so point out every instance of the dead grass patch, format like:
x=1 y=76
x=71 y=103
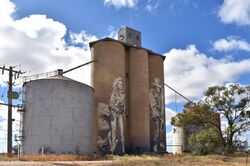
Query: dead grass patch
x=6 y=157
x=55 y=158
x=148 y=160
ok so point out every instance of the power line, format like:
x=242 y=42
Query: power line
x=11 y=105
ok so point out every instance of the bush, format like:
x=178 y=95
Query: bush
x=205 y=142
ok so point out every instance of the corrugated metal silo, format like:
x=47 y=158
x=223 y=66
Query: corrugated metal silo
x=58 y=116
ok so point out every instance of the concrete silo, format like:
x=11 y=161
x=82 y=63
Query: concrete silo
x=58 y=116
x=179 y=140
x=126 y=78
x=139 y=100
x=108 y=80
x=157 y=103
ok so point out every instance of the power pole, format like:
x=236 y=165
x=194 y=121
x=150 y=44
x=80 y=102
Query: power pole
x=9 y=141
x=11 y=95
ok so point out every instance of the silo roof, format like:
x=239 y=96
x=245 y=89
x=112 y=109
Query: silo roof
x=59 y=77
x=126 y=45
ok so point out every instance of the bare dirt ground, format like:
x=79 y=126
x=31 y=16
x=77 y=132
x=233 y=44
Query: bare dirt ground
x=128 y=160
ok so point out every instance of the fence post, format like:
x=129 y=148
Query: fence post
x=18 y=151
x=42 y=150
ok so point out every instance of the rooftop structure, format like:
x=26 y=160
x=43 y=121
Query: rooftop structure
x=130 y=36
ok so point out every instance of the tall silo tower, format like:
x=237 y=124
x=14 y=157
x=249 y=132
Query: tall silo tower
x=129 y=95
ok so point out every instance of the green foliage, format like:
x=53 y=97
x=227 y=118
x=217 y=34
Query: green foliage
x=230 y=102
x=204 y=142
x=198 y=114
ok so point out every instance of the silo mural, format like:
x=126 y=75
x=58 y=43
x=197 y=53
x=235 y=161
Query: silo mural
x=157 y=104
x=108 y=77
x=110 y=120
x=156 y=96
x=129 y=104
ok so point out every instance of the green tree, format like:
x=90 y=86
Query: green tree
x=205 y=142
x=231 y=102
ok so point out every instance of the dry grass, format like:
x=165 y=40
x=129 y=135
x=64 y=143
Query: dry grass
x=154 y=160
x=5 y=157
x=55 y=158
x=182 y=160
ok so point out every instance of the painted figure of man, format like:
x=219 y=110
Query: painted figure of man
x=117 y=108
x=156 y=97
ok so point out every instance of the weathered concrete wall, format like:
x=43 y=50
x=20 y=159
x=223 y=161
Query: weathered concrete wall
x=58 y=116
x=157 y=104
x=108 y=80
x=139 y=100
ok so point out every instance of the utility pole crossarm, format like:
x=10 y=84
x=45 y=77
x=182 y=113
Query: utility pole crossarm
x=13 y=71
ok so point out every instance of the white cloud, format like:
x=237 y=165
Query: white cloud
x=121 y=3
x=192 y=72
x=235 y=11
x=113 y=33
x=151 y=5
x=82 y=38
x=6 y=11
x=38 y=42
x=230 y=44
x=169 y=113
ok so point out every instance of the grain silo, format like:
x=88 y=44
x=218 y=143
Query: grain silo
x=181 y=135
x=179 y=140
x=129 y=95
x=108 y=79
x=57 y=116
x=157 y=103
x=139 y=100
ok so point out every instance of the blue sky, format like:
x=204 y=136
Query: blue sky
x=206 y=43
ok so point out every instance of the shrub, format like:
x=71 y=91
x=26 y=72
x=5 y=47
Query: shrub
x=205 y=142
